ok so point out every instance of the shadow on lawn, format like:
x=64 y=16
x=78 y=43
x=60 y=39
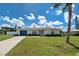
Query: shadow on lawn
x=73 y=45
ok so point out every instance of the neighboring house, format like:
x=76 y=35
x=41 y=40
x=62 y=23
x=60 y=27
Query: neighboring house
x=35 y=31
x=75 y=32
x=3 y=30
x=12 y=31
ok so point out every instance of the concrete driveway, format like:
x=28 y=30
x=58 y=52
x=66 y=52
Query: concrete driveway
x=7 y=45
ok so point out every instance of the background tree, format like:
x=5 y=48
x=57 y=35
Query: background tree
x=4 y=30
x=76 y=23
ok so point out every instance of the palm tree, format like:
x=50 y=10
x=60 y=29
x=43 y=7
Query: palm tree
x=76 y=23
x=67 y=7
x=4 y=30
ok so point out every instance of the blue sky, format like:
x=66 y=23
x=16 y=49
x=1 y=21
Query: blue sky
x=38 y=14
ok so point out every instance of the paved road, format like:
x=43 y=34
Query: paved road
x=7 y=45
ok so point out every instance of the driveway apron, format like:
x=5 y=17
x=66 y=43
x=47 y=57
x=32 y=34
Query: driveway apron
x=7 y=45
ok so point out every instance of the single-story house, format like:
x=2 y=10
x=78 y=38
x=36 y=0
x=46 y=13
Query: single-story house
x=36 y=31
x=43 y=31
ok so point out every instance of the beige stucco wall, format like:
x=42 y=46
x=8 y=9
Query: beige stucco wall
x=46 y=31
x=30 y=31
x=56 y=31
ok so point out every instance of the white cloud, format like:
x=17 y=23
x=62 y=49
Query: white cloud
x=65 y=28
x=31 y=17
x=47 y=11
x=33 y=25
x=78 y=16
x=17 y=22
x=66 y=17
x=73 y=6
x=73 y=16
x=61 y=27
x=21 y=18
x=42 y=23
x=42 y=20
x=45 y=23
x=72 y=26
x=38 y=26
x=49 y=23
x=5 y=25
x=57 y=23
x=51 y=7
x=58 y=12
x=41 y=17
x=5 y=18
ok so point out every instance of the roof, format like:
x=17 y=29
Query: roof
x=43 y=28
x=23 y=29
x=38 y=28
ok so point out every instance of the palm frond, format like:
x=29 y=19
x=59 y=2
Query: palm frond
x=56 y=5
x=65 y=8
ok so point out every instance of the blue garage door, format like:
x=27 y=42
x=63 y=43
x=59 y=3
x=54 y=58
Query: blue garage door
x=23 y=32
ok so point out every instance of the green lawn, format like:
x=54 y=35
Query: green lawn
x=4 y=37
x=45 y=46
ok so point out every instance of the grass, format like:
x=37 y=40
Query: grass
x=45 y=46
x=4 y=37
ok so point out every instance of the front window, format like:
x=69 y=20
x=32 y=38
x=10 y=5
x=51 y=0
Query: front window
x=34 y=32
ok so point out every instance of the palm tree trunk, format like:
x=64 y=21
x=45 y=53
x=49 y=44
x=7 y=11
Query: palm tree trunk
x=69 y=22
x=76 y=22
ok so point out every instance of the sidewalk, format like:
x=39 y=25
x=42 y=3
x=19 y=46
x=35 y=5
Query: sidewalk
x=7 y=45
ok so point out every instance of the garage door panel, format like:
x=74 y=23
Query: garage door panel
x=23 y=33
